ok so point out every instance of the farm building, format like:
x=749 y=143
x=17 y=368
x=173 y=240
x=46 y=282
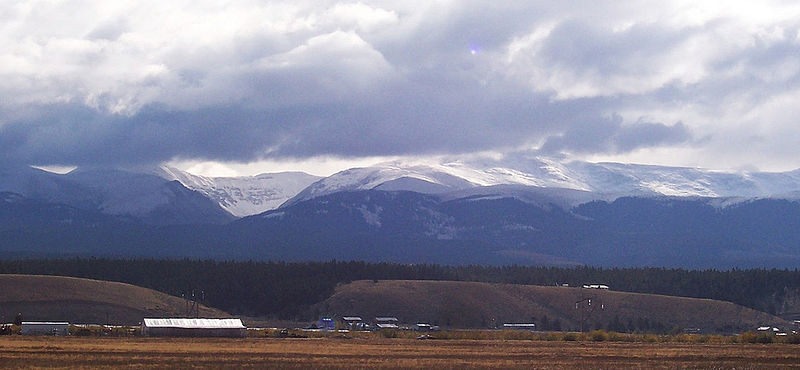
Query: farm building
x=354 y=323
x=173 y=327
x=326 y=323
x=44 y=328
x=520 y=326
x=386 y=322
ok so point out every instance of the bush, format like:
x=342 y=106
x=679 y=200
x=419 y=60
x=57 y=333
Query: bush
x=598 y=335
x=569 y=337
x=554 y=336
x=650 y=338
x=765 y=338
x=791 y=339
x=748 y=337
x=518 y=335
x=619 y=337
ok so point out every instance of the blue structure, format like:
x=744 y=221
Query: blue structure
x=326 y=323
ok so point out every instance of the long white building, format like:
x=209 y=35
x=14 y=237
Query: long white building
x=180 y=327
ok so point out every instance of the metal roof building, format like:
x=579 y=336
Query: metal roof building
x=178 y=327
x=44 y=328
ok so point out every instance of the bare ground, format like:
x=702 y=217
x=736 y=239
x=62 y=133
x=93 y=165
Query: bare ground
x=71 y=352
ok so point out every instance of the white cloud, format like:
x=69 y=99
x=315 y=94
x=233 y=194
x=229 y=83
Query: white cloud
x=373 y=78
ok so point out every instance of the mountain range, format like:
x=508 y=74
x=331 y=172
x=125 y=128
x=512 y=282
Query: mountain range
x=484 y=211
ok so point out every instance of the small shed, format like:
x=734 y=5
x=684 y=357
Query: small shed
x=353 y=323
x=421 y=326
x=180 y=327
x=326 y=323
x=44 y=328
x=386 y=322
x=596 y=286
x=519 y=326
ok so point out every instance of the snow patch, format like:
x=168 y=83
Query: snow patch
x=246 y=195
x=278 y=215
x=371 y=218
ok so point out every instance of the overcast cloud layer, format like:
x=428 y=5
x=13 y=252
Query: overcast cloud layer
x=105 y=82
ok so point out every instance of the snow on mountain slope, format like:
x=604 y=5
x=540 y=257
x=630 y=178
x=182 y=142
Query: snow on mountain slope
x=542 y=197
x=39 y=184
x=147 y=197
x=123 y=192
x=246 y=195
x=602 y=180
x=144 y=196
x=387 y=176
x=682 y=181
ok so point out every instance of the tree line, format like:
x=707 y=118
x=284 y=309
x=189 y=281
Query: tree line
x=285 y=289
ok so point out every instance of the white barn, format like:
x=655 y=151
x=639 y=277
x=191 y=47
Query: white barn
x=387 y=323
x=180 y=327
x=44 y=328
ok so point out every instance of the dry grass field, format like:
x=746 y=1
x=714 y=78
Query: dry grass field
x=60 y=298
x=72 y=352
x=478 y=305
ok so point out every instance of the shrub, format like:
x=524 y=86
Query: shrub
x=791 y=339
x=598 y=335
x=569 y=337
x=748 y=337
x=650 y=338
x=517 y=335
x=764 y=338
x=554 y=336
x=620 y=337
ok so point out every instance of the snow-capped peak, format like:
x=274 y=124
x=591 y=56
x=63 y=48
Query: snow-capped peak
x=386 y=176
x=245 y=195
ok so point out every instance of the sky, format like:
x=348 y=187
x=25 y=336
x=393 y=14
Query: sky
x=241 y=87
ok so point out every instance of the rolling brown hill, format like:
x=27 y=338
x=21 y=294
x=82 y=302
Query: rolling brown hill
x=76 y=300
x=480 y=305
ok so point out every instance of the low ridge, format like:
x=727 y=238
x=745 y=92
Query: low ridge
x=481 y=305
x=77 y=300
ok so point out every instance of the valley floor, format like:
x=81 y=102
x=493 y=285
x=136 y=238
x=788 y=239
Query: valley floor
x=75 y=352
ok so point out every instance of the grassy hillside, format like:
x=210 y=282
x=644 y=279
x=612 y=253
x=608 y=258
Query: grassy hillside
x=472 y=304
x=57 y=298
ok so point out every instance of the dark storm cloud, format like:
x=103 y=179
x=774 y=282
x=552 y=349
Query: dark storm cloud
x=611 y=135
x=75 y=134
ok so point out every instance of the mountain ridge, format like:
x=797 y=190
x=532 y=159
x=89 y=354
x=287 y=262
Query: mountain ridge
x=602 y=180
x=146 y=197
x=249 y=195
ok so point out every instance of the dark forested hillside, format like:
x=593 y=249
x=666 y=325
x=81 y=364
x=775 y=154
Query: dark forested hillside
x=522 y=227
x=284 y=290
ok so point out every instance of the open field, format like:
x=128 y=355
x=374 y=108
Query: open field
x=72 y=352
